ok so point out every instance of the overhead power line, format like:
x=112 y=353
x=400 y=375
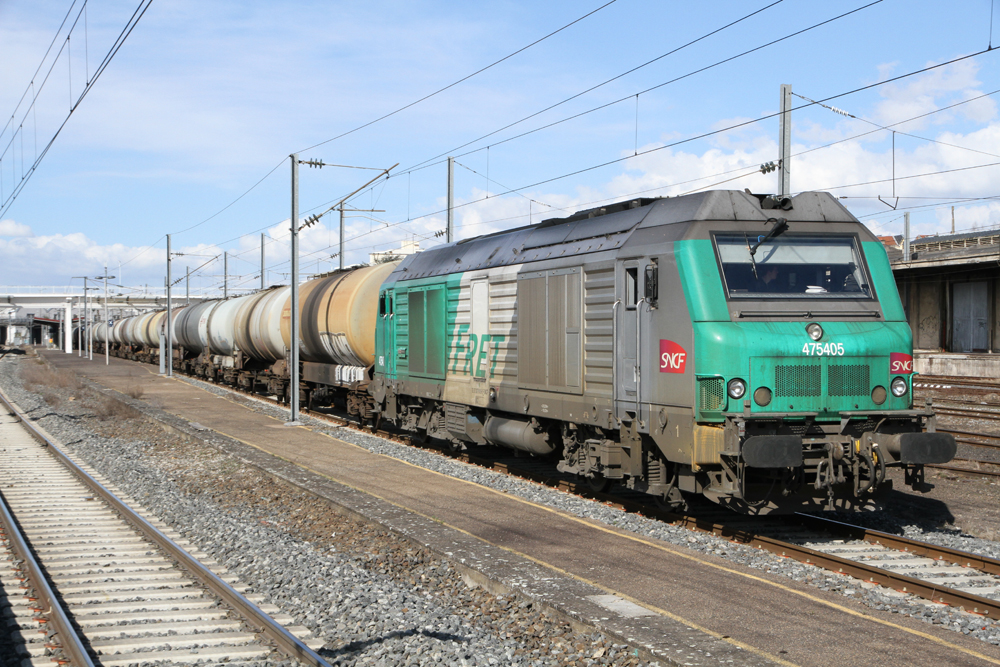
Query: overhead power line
x=30 y=88
x=696 y=137
x=453 y=152
x=426 y=163
x=463 y=79
x=591 y=89
x=108 y=57
x=704 y=134
x=905 y=134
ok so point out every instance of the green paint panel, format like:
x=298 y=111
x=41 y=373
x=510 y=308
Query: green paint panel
x=414 y=343
x=821 y=376
x=884 y=283
x=706 y=298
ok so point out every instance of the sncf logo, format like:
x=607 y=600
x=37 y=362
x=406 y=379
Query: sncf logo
x=900 y=363
x=673 y=357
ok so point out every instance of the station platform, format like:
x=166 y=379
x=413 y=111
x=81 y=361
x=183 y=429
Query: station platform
x=970 y=365
x=680 y=606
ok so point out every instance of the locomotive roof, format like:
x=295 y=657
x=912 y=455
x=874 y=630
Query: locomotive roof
x=609 y=227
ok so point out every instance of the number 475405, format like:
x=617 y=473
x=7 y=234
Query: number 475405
x=820 y=349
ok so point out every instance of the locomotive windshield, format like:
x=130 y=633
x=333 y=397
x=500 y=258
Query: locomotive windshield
x=792 y=266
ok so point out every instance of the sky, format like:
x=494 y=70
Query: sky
x=189 y=127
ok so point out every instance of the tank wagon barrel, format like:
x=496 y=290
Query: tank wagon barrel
x=747 y=348
x=245 y=340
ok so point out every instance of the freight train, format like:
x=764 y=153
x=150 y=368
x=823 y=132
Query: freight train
x=748 y=348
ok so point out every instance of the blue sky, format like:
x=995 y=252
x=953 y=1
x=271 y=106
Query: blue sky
x=205 y=99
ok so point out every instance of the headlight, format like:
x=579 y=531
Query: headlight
x=898 y=387
x=737 y=388
x=762 y=396
x=815 y=331
x=878 y=395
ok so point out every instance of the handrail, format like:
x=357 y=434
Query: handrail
x=638 y=365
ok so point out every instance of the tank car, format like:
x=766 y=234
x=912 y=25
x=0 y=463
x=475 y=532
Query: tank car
x=244 y=341
x=747 y=348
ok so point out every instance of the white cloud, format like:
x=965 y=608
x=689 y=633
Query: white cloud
x=12 y=228
x=933 y=90
x=729 y=162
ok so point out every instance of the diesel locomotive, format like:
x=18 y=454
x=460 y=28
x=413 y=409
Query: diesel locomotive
x=748 y=348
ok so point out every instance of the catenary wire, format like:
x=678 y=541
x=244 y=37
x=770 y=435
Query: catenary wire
x=455 y=83
x=116 y=46
x=433 y=160
x=30 y=86
x=708 y=134
x=559 y=103
x=703 y=135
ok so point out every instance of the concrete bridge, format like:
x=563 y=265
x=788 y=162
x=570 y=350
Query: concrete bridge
x=26 y=312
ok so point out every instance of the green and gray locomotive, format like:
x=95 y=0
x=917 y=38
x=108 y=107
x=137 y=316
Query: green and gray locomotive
x=747 y=348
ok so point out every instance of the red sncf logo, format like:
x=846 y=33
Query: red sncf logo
x=673 y=357
x=900 y=363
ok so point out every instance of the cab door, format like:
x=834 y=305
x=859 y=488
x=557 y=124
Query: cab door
x=385 y=336
x=632 y=340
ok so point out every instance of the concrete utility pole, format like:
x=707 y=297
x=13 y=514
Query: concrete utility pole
x=340 y=248
x=262 y=261
x=225 y=275
x=86 y=320
x=107 y=317
x=170 y=314
x=163 y=343
x=451 y=200
x=785 y=141
x=79 y=330
x=90 y=328
x=293 y=391
x=952 y=219
x=906 y=236
x=68 y=327
x=293 y=387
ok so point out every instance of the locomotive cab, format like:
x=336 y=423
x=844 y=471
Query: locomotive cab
x=803 y=365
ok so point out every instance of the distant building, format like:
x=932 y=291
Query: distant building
x=951 y=293
x=405 y=248
x=892 y=241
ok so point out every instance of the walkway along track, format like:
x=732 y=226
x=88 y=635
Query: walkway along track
x=75 y=546
x=939 y=565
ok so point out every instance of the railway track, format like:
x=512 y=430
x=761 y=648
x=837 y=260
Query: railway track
x=936 y=574
x=954 y=382
x=88 y=580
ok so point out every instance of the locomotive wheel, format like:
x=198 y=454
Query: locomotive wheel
x=598 y=483
x=672 y=501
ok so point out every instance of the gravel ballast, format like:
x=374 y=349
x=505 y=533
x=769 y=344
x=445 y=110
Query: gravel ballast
x=374 y=597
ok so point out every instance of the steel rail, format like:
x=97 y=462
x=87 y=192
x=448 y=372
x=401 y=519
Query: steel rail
x=967 y=412
x=933 y=592
x=956 y=380
x=969 y=433
x=265 y=625
x=69 y=640
x=967 y=471
x=956 y=556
